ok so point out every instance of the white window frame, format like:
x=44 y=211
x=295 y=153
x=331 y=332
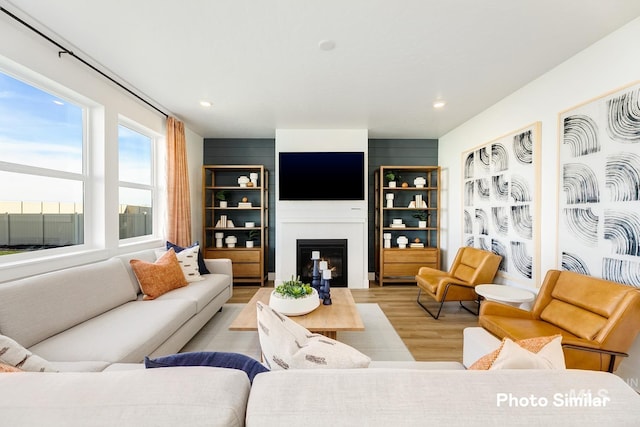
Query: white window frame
x=84 y=177
x=157 y=205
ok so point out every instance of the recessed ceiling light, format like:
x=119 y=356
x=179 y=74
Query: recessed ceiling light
x=57 y=102
x=327 y=45
x=439 y=103
x=205 y=103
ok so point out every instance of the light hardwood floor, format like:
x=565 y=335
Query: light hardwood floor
x=427 y=339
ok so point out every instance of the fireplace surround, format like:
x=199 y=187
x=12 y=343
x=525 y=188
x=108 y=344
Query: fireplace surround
x=334 y=251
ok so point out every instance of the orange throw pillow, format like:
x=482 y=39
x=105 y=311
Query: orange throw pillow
x=534 y=345
x=9 y=368
x=160 y=277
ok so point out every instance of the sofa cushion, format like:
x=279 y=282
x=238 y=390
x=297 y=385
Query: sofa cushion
x=530 y=345
x=81 y=366
x=188 y=260
x=593 y=294
x=148 y=255
x=15 y=355
x=201 y=265
x=288 y=345
x=405 y=397
x=513 y=356
x=214 y=359
x=159 y=277
x=38 y=307
x=580 y=322
x=125 y=334
x=201 y=292
x=188 y=396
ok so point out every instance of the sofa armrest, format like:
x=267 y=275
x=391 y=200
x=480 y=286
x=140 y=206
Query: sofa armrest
x=493 y=308
x=430 y=271
x=613 y=354
x=219 y=266
x=452 y=281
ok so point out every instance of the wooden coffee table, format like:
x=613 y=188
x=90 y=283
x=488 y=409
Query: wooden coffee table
x=327 y=320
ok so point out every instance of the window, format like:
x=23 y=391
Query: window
x=136 y=175
x=41 y=168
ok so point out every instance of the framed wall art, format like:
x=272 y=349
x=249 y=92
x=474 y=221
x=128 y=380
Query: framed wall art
x=599 y=188
x=501 y=202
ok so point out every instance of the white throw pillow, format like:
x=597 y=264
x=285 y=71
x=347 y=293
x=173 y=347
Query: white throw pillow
x=188 y=259
x=513 y=356
x=287 y=345
x=12 y=353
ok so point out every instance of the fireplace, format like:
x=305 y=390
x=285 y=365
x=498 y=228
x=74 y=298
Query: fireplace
x=334 y=251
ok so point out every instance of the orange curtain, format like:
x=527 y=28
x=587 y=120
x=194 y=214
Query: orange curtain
x=178 y=199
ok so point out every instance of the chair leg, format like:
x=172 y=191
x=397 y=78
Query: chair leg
x=425 y=307
x=444 y=298
x=476 y=313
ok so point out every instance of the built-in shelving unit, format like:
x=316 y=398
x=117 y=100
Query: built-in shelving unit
x=244 y=218
x=403 y=244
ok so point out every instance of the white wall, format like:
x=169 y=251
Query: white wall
x=611 y=63
x=607 y=65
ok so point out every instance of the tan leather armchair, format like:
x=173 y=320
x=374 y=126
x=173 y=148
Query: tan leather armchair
x=598 y=319
x=470 y=267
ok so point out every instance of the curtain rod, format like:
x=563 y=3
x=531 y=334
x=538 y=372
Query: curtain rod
x=64 y=50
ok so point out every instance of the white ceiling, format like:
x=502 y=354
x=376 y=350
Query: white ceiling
x=259 y=63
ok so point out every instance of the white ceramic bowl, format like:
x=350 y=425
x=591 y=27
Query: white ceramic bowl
x=294 y=306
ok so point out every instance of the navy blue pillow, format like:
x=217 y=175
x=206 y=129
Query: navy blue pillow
x=209 y=358
x=201 y=265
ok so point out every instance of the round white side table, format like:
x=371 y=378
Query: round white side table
x=505 y=294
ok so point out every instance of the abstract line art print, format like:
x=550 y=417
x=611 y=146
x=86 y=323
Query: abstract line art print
x=599 y=188
x=500 y=202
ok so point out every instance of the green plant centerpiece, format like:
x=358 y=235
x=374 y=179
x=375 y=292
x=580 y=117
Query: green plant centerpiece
x=294 y=298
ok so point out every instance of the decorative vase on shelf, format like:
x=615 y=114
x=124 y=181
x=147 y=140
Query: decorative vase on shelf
x=242 y=181
x=419 y=182
x=254 y=178
x=219 y=237
x=389 y=197
x=231 y=241
x=294 y=298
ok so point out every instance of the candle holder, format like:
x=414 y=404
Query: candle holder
x=325 y=288
x=315 y=276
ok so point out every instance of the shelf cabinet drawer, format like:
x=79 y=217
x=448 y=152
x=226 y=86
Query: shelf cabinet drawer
x=411 y=256
x=404 y=269
x=236 y=256
x=245 y=270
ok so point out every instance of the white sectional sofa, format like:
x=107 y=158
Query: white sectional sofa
x=203 y=396
x=93 y=319
x=88 y=317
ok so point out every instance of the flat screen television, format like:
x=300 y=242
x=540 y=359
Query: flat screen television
x=327 y=175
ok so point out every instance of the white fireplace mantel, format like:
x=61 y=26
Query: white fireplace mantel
x=352 y=229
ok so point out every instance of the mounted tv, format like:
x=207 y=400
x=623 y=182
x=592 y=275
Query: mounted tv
x=327 y=175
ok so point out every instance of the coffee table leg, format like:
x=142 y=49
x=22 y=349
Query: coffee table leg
x=329 y=334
